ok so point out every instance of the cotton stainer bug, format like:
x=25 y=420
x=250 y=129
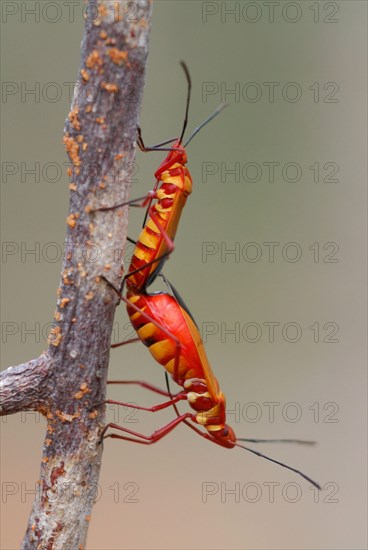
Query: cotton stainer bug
x=163 y=322
x=165 y=325
x=155 y=241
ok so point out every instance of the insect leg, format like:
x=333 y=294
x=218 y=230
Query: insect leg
x=145 y=439
x=179 y=397
x=139 y=202
x=145 y=385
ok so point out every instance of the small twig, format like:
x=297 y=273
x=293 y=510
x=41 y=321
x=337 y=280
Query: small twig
x=23 y=387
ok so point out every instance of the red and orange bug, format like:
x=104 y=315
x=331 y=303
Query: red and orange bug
x=156 y=240
x=165 y=325
x=163 y=322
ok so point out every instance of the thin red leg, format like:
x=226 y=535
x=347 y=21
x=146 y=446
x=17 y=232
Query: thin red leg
x=145 y=385
x=141 y=201
x=157 y=147
x=118 y=344
x=179 y=397
x=146 y=439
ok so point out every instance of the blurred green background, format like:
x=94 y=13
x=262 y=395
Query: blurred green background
x=184 y=492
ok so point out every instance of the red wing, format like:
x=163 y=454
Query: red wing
x=210 y=378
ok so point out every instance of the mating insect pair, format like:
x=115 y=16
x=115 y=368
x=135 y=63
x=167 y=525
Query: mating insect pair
x=162 y=320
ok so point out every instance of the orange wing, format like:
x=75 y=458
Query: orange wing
x=212 y=384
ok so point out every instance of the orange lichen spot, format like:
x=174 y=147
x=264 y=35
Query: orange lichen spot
x=67 y=271
x=72 y=187
x=91 y=227
x=107 y=267
x=111 y=42
x=83 y=390
x=119 y=156
x=85 y=75
x=80 y=138
x=55 y=336
x=103 y=35
x=45 y=459
x=70 y=171
x=89 y=295
x=92 y=415
x=63 y=302
x=88 y=518
x=67 y=280
x=119 y=57
x=48 y=442
x=43 y=410
x=67 y=417
x=57 y=315
x=33 y=527
x=72 y=220
x=94 y=60
x=73 y=118
x=85 y=146
x=72 y=149
x=109 y=235
x=100 y=120
x=88 y=209
x=102 y=10
x=97 y=279
x=74 y=320
x=102 y=185
x=88 y=109
x=57 y=472
x=110 y=87
x=82 y=366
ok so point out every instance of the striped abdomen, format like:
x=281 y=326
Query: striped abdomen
x=151 y=245
x=194 y=372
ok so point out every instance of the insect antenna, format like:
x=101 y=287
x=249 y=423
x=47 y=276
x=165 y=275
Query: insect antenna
x=314 y=483
x=220 y=108
x=189 y=81
x=296 y=441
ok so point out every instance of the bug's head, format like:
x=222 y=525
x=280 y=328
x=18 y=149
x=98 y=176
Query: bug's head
x=178 y=154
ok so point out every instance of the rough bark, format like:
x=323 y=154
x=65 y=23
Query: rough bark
x=66 y=382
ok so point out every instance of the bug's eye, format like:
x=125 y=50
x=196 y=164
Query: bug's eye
x=225 y=431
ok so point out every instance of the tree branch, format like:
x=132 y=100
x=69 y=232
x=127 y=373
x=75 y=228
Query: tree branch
x=65 y=383
x=22 y=387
